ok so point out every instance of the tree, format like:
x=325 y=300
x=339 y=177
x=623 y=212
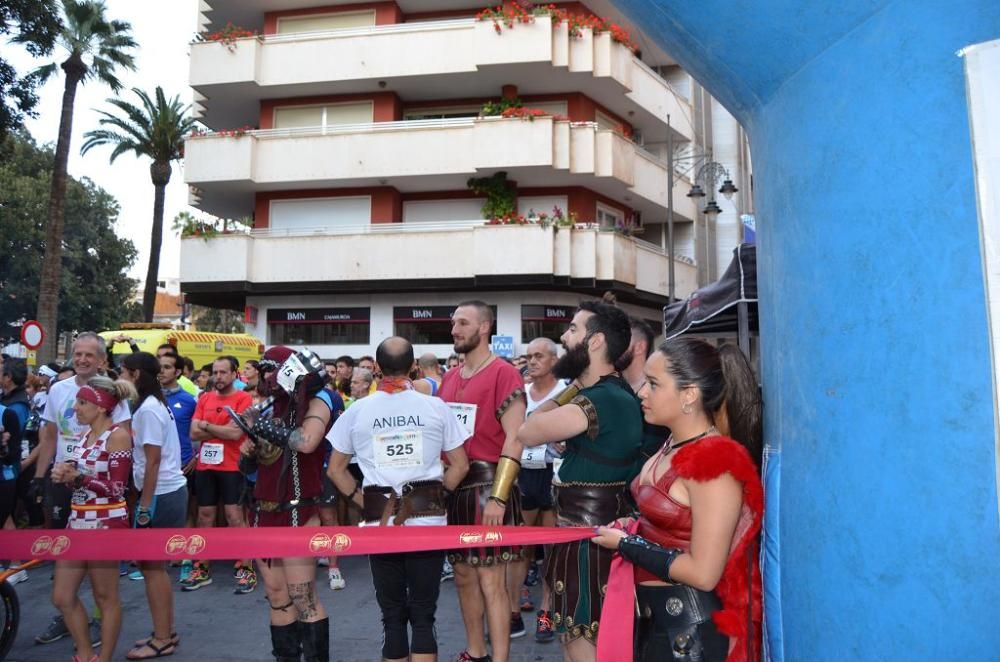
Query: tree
x=95 y=292
x=35 y=25
x=155 y=130
x=217 y=320
x=97 y=47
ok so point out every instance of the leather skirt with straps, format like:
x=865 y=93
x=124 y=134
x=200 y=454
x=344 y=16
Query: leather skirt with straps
x=424 y=498
x=675 y=623
x=466 y=506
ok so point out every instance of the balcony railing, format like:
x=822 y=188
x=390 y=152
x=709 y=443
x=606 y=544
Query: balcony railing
x=228 y=78
x=383 y=252
x=574 y=153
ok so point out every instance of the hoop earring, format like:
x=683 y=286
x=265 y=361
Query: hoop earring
x=686 y=408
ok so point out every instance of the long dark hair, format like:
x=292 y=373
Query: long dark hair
x=725 y=379
x=146 y=383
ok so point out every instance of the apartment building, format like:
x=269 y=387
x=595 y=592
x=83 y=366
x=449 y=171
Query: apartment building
x=395 y=158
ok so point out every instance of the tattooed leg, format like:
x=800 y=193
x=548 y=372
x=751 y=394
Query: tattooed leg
x=304 y=597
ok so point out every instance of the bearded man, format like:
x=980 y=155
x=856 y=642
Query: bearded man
x=599 y=417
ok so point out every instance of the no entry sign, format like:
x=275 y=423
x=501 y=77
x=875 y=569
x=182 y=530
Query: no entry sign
x=32 y=334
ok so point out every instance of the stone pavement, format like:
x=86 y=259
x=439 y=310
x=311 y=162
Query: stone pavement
x=215 y=624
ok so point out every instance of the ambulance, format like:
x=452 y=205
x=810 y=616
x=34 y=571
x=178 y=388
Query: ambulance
x=201 y=347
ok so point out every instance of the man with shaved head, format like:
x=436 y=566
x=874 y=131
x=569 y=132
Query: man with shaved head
x=430 y=374
x=397 y=436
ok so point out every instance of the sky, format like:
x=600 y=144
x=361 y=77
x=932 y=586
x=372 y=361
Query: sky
x=164 y=36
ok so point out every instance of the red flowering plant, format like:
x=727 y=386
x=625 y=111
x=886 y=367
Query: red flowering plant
x=228 y=35
x=576 y=23
x=530 y=114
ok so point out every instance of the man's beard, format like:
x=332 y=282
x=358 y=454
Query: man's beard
x=469 y=346
x=572 y=364
x=222 y=386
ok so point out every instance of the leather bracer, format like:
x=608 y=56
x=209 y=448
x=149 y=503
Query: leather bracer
x=649 y=556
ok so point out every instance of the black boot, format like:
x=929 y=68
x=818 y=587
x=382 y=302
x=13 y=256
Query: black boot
x=285 y=642
x=315 y=638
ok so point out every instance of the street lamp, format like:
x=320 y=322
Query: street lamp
x=710 y=172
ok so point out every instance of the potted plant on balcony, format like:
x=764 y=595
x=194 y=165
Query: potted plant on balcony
x=227 y=36
x=501 y=194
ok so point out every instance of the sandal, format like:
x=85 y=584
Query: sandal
x=137 y=653
x=174 y=639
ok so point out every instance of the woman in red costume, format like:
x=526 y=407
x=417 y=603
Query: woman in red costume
x=694 y=547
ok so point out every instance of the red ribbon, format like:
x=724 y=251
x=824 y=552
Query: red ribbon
x=618 y=610
x=270 y=542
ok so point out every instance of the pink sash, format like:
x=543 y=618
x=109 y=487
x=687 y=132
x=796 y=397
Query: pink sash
x=614 y=644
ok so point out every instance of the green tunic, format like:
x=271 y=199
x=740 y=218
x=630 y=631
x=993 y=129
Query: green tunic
x=608 y=450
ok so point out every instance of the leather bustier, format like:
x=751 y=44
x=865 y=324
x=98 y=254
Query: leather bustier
x=661 y=519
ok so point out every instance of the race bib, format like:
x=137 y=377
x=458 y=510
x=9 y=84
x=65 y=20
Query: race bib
x=84 y=524
x=466 y=415
x=533 y=458
x=396 y=450
x=289 y=373
x=212 y=453
x=25 y=449
x=556 y=463
x=72 y=451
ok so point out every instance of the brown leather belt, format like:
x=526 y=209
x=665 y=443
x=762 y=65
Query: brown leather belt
x=589 y=504
x=422 y=498
x=279 y=506
x=480 y=474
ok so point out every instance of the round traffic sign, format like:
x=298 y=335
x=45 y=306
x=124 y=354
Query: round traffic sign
x=32 y=334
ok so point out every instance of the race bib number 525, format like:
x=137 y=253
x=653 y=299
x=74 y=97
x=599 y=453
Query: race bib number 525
x=395 y=450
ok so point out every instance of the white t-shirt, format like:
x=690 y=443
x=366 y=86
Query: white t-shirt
x=397 y=439
x=59 y=411
x=152 y=423
x=530 y=457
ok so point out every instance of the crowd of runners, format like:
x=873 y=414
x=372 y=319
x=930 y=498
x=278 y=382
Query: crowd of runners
x=570 y=434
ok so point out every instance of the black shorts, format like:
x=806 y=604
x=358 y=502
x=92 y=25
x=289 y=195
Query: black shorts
x=330 y=492
x=536 y=488
x=210 y=486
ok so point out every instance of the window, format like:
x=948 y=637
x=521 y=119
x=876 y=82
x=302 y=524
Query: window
x=332 y=114
x=429 y=325
x=324 y=22
x=545 y=321
x=440 y=113
x=605 y=121
x=542 y=204
x=316 y=213
x=319 y=326
x=608 y=217
x=460 y=209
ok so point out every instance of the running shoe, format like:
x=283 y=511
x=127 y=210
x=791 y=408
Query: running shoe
x=246 y=581
x=122 y=569
x=18 y=577
x=336 y=579
x=95 y=633
x=185 y=571
x=200 y=576
x=517 y=626
x=323 y=561
x=136 y=575
x=447 y=571
x=54 y=632
x=532 y=578
x=526 y=603
x=543 y=628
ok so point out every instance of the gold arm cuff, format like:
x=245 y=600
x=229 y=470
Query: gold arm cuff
x=507 y=469
x=567 y=394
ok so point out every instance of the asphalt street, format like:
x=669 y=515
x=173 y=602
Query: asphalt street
x=216 y=624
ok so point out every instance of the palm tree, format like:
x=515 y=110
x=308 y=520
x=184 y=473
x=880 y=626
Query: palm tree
x=97 y=47
x=155 y=130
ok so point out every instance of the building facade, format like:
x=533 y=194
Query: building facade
x=395 y=158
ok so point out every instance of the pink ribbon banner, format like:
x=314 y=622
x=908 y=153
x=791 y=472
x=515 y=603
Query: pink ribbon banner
x=270 y=542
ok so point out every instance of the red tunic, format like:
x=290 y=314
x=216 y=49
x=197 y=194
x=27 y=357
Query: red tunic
x=491 y=390
x=668 y=522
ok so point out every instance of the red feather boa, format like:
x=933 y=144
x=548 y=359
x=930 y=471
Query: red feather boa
x=710 y=458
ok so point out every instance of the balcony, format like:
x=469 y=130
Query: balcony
x=430 y=60
x=427 y=155
x=381 y=257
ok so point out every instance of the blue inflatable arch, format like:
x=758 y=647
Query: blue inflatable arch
x=874 y=333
